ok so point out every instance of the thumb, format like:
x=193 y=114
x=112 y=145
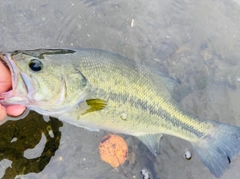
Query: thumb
x=5 y=78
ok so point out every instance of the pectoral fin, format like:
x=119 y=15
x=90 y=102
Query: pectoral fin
x=95 y=105
x=151 y=141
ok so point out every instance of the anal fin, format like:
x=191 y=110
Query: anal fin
x=151 y=141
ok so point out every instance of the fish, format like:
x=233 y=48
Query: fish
x=101 y=90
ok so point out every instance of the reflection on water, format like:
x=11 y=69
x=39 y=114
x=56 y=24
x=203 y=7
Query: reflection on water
x=28 y=144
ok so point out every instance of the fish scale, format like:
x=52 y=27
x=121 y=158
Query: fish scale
x=135 y=81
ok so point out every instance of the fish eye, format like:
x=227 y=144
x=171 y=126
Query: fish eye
x=35 y=65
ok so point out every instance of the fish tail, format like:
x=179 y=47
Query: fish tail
x=217 y=148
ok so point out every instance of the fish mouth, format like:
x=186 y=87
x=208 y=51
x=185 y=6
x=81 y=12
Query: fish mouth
x=3 y=61
x=8 y=62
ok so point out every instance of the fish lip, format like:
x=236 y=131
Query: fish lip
x=6 y=60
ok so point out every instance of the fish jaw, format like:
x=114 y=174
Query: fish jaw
x=13 y=96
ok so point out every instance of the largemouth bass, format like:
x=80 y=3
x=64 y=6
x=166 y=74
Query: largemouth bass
x=96 y=90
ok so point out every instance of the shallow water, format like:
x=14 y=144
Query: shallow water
x=196 y=43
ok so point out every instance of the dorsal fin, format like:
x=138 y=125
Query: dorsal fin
x=39 y=53
x=169 y=82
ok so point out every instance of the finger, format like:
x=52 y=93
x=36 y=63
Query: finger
x=15 y=110
x=5 y=78
x=2 y=112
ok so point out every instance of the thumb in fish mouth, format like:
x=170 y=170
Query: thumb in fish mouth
x=6 y=85
x=5 y=78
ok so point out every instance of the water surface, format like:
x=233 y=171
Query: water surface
x=194 y=42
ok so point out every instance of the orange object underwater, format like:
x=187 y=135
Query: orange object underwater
x=113 y=150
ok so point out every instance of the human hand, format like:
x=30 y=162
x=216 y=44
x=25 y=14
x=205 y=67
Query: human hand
x=5 y=85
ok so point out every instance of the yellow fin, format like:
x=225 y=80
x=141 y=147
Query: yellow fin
x=95 y=105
